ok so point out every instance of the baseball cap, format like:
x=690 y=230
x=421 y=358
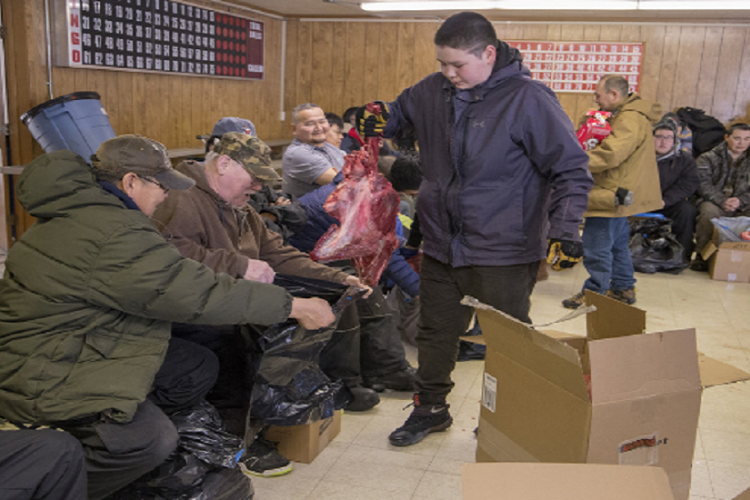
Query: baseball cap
x=232 y=124
x=250 y=152
x=141 y=156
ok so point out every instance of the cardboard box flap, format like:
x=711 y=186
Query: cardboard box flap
x=633 y=367
x=714 y=372
x=540 y=481
x=708 y=250
x=612 y=318
x=745 y=495
x=553 y=360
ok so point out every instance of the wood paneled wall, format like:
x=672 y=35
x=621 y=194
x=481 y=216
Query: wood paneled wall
x=342 y=64
x=169 y=108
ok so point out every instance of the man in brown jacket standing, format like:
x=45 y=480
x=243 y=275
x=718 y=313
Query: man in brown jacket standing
x=213 y=224
x=626 y=182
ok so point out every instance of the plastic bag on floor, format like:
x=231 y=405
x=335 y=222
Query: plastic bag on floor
x=290 y=388
x=653 y=247
x=202 y=433
x=202 y=467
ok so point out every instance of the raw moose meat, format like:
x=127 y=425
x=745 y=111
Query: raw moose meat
x=366 y=206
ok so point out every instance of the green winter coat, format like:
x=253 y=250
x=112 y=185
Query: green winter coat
x=626 y=159
x=88 y=296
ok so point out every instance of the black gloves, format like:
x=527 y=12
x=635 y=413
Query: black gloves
x=372 y=118
x=564 y=254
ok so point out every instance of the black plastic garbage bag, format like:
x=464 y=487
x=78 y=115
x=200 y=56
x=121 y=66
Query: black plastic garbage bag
x=653 y=247
x=203 y=466
x=202 y=433
x=290 y=388
x=215 y=484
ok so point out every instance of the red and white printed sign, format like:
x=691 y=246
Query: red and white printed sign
x=578 y=66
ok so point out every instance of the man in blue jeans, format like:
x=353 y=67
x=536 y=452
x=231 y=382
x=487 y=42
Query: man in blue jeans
x=626 y=182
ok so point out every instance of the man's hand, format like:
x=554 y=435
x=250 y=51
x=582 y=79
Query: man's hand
x=355 y=281
x=731 y=204
x=371 y=121
x=312 y=314
x=257 y=270
x=564 y=254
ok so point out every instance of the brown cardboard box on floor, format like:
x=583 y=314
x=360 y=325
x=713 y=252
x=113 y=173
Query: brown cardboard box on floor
x=644 y=403
x=302 y=443
x=535 y=481
x=729 y=261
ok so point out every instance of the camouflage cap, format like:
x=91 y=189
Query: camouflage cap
x=250 y=152
x=141 y=156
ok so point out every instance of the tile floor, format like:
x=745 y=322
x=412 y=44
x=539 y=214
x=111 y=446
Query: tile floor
x=360 y=464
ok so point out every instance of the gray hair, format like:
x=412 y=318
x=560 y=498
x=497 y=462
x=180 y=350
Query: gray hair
x=616 y=82
x=211 y=158
x=302 y=107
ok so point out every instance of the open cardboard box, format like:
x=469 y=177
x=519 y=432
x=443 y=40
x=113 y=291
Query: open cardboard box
x=302 y=443
x=642 y=410
x=536 y=481
x=729 y=261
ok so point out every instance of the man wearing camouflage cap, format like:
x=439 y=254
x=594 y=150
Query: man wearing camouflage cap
x=86 y=306
x=213 y=224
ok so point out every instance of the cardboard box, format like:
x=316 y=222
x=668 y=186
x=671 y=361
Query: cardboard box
x=729 y=261
x=644 y=403
x=535 y=481
x=745 y=495
x=302 y=443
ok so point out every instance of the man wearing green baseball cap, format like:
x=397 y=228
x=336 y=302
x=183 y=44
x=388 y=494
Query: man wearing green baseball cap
x=86 y=306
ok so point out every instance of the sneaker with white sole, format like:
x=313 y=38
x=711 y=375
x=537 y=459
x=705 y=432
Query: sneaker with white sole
x=262 y=459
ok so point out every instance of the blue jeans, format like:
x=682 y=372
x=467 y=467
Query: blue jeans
x=606 y=255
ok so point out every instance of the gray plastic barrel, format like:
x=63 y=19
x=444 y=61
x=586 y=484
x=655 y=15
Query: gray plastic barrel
x=75 y=121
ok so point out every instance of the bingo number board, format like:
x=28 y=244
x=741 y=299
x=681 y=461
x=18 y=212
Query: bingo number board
x=578 y=66
x=163 y=36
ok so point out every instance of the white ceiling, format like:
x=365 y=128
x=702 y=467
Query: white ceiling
x=350 y=9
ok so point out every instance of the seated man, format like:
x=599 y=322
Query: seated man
x=335 y=134
x=213 y=224
x=679 y=180
x=725 y=186
x=86 y=306
x=309 y=161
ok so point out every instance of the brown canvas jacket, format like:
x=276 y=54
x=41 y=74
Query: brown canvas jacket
x=206 y=228
x=626 y=158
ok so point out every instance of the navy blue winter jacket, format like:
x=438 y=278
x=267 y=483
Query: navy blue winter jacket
x=496 y=161
x=398 y=270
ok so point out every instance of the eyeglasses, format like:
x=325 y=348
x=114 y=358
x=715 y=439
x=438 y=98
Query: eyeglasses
x=664 y=137
x=154 y=181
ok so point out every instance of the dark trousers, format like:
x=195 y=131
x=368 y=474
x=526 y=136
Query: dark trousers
x=41 y=464
x=117 y=454
x=443 y=319
x=381 y=349
x=682 y=215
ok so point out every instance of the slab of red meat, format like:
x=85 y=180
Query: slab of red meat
x=366 y=206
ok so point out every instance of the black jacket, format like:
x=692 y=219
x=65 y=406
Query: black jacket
x=678 y=177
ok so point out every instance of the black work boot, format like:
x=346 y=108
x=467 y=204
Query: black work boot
x=362 y=399
x=424 y=419
x=402 y=380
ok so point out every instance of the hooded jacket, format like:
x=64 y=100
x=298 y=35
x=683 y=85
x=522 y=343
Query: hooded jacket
x=626 y=159
x=88 y=296
x=206 y=228
x=497 y=160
